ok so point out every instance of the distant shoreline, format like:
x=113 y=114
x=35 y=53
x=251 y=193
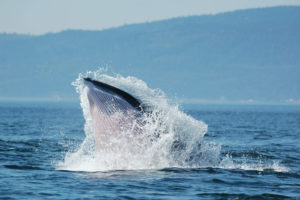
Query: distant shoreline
x=186 y=102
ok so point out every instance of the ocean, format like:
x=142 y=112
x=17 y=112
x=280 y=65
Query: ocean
x=202 y=152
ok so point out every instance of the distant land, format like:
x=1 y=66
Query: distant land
x=246 y=56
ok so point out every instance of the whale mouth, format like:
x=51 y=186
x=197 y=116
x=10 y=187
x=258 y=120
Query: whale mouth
x=108 y=99
x=114 y=112
x=114 y=92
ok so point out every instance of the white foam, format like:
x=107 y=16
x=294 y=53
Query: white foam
x=257 y=165
x=170 y=138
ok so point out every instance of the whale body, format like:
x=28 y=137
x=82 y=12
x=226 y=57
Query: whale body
x=115 y=113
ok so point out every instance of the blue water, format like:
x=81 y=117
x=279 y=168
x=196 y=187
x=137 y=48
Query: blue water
x=259 y=156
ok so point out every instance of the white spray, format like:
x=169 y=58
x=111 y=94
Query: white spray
x=169 y=138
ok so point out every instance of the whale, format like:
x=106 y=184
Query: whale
x=115 y=113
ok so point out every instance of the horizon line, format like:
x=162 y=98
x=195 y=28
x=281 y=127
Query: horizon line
x=179 y=101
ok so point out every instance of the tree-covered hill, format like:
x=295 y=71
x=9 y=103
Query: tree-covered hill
x=246 y=54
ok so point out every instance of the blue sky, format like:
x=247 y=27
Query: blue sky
x=43 y=16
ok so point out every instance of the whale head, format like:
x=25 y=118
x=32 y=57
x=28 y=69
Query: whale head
x=113 y=112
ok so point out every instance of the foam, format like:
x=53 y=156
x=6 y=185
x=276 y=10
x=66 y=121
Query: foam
x=169 y=137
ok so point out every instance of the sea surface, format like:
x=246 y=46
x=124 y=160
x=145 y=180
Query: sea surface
x=258 y=156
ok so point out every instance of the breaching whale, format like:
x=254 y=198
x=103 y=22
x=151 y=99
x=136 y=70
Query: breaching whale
x=114 y=112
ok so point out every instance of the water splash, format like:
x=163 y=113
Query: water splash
x=170 y=138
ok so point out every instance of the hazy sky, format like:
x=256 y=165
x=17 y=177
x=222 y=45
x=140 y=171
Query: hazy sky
x=42 y=16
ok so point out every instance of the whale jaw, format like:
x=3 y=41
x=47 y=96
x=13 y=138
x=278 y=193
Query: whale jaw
x=115 y=114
